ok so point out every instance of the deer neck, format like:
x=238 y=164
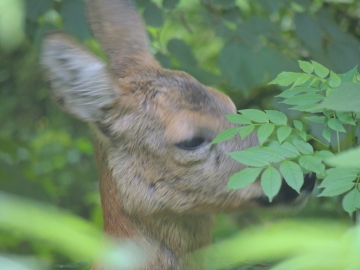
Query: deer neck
x=166 y=238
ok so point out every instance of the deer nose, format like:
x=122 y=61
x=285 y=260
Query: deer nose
x=287 y=194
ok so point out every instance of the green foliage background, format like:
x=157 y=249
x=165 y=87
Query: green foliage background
x=237 y=46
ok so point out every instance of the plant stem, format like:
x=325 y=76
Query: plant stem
x=312 y=137
x=338 y=141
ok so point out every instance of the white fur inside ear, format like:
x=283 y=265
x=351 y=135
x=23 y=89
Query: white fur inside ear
x=80 y=82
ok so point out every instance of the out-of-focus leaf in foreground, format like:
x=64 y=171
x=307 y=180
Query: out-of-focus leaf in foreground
x=298 y=245
x=345 y=98
x=11 y=23
x=73 y=236
x=347 y=159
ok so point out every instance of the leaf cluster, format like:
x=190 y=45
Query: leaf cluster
x=284 y=151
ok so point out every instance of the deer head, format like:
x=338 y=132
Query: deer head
x=160 y=178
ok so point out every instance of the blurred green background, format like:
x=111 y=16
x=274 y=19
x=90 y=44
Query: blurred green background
x=237 y=46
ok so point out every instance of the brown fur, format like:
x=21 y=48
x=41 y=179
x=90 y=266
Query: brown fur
x=152 y=192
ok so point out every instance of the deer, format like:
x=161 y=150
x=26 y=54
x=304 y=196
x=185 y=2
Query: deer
x=161 y=180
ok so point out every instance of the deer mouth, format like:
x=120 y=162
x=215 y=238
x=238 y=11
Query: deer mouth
x=287 y=196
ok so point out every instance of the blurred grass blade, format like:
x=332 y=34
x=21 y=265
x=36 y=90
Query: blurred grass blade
x=283 y=240
x=69 y=234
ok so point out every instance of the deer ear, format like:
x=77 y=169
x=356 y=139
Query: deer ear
x=80 y=82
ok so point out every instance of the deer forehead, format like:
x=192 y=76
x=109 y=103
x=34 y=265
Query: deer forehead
x=179 y=103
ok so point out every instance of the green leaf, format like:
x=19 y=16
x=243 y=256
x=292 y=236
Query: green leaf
x=182 y=52
x=278 y=118
x=334 y=80
x=304 y=99
x=255 y=115
x=243 y=178
x=170 y=4
x=283 y=133
x=226 y=135
x=302 y=79
x=339 y=175
x=316 y=119
x=327 y=134
x=249 y=159
x=346 y=98
x=336 y=188
x=312 y=163
x=238 y=58
x=306 y=66
x=286 y=149
x=346 y=118
x=298 y=125
x=35 y=8
x=292 y=174
x=72 y=12
x=271 y=182
x=349 y=76
x=153 y=15
x=313 y=108
x=225 y=4
x=336 y=125
x=285 y=78
x=246 y=130
x=264 y=132
x=267 y=154
x=347 y=159
x=320 y=70
x=238 y=119
x=297 y=90
x=302 y=146
x=301 y=134
x=351 y=201
x=324 y=154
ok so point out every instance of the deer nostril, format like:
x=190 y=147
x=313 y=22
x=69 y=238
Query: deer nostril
x=309 y=182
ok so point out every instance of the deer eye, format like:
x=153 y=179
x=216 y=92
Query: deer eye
x=191 y=144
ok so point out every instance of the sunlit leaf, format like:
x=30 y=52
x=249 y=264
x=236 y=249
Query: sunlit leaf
x=298 y=125
x=283 y=133
x=306 y=66
x=292 y=174
x=246 y=130
x=249 y=159
x=303 y=147
x=320 y=70
x=286 y=149
x=264 y=132
x=278 y=118
x=312 y=163
x=286 y=78
x=238 y=119
x=243 y=178
x=351 y=201
x=226 y=135
x=334 y=80
x=271 y=182
x=255 y=115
